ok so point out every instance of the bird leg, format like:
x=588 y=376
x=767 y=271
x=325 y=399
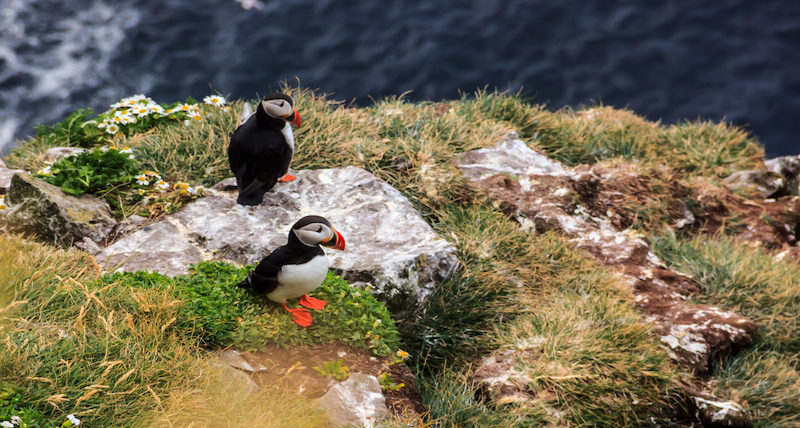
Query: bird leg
x=312 y=303
x=287 y=177
x=300 y=316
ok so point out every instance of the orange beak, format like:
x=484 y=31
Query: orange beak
x=294 y=119
x=336 y=241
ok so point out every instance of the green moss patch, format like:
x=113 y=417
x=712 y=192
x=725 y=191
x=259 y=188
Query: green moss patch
x=220 y=315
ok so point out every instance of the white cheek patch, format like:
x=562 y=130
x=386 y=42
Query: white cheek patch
x=277 y=108
x=288 y=136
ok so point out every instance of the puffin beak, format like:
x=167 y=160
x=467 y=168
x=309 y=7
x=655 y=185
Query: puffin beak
x=336 y=241
x=294 y=118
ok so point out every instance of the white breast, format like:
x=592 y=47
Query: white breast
x=297 y=280
x=287 y=134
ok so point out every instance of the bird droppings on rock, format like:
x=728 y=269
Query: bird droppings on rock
x=390 y=247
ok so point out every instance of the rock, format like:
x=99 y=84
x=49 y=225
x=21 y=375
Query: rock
x=357 y=401
x=89 y=246
x=130 y=224
x=5 y=177
x=42 y=209
x=55 y=153
x=238 y=379
x=240 y=360
x=160 y=247
x=544 y=195
x=2 y=164
x=502 y=379
x=765 y=183
x=789 y=168
x=712 y=411
x=389 y=246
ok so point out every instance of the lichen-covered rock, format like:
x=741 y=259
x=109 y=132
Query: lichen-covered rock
x=714 y=412
x=764 y=183
x=39 y=208
x=355 y=402
x=389 y=246
x=548 y=196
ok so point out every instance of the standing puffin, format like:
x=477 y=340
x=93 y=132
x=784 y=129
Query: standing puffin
x=261 y=148
x=297 y=268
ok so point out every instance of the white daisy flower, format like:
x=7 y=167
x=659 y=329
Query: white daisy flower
x=187 y=107
x=112 y=128
x=186 y=122
x=44 y=171
x=126 y=150
x=16 y=420
x=102 y=124
x=197 y=116
x=140 y=191
x=214 y=100
x=6 y=424
x=153 y=174
x=116 y=105
x=3 y=202
x=75 y=421
x=142 y=180
x=155 y=108
x=200 y=189
x=141 y=111
x=162 y=186
x=126 y=119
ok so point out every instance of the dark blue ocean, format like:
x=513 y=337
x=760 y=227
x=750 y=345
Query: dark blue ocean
x=667 y=60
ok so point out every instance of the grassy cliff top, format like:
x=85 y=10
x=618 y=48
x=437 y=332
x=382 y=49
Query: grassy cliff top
x=603 y=365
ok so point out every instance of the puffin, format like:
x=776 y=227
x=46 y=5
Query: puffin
x=261 y=148
x=297 y=268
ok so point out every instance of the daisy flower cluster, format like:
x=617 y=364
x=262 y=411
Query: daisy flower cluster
x=147 y=177
x=47 y=169
x=186 y=190
x=14 y=421
x=3 y=202
x=143 y=111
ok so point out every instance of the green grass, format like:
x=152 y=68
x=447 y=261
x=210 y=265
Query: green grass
x=750 y=282
x=220 y=315
x=598 y=363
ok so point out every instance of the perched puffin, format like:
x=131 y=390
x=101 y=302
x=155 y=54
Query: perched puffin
x=261 y=148
x=298 y=267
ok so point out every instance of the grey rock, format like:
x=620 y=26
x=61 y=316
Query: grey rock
x=765 y=183
x=160 y=247
x=240 y=360
x=42 y=209
x=129 y=224
x=55 y=153
x=355 y=402
x=2 y=164
x=238 y=379
x=5 y=178
x=89 y=246
x=789 y=168
x=713 y=411
x=389 y=246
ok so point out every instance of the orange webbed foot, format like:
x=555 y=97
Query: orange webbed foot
x=312 y=303
x=287 y=177
x=300 y=316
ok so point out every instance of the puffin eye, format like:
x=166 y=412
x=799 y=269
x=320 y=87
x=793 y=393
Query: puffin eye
x=319 y=230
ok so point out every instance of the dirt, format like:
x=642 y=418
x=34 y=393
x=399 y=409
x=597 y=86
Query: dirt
x=292 y=369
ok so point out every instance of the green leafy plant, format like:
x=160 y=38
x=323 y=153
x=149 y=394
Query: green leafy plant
x=71 y=131
x=14 y=412
x=388 y=384
x=97 y=171
x=334 y=369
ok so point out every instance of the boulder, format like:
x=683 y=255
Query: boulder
x=389 y=245
x=41 y=209
x=355 y=402
x=789 y=168
x=55 y=153
x=765 y=184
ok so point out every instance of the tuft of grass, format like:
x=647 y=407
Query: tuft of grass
x=751 y=282
x=196 y=153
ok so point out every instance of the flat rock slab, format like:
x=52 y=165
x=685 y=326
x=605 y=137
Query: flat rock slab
x=389 y=246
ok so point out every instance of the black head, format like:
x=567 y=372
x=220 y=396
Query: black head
x=278 y=105
x=314 y=230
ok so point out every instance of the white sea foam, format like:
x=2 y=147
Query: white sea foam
x=50 y=57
